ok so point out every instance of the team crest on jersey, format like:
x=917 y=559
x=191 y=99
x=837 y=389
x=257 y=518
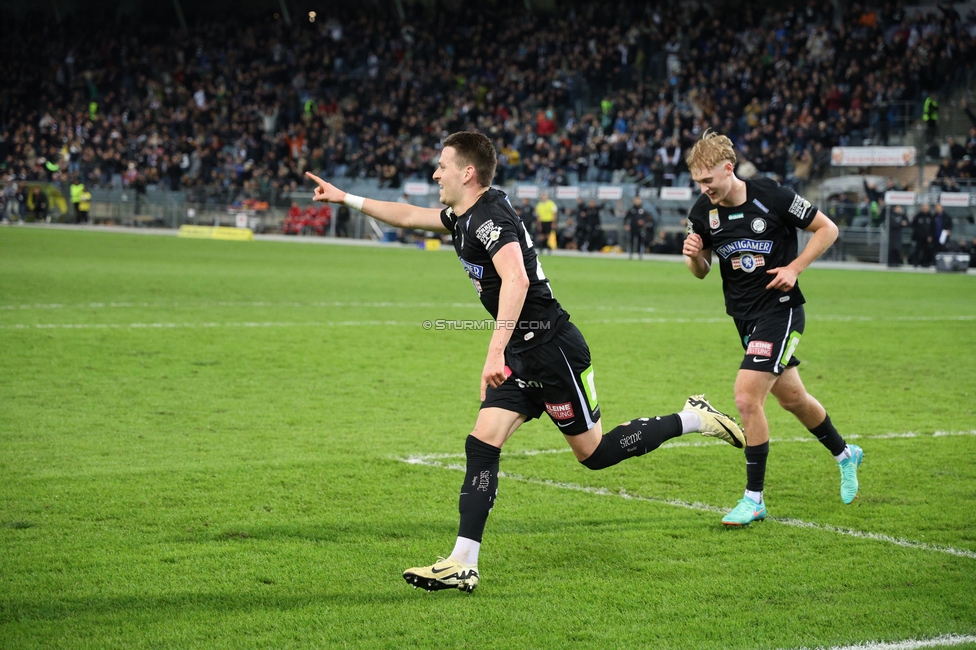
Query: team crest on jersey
x=758 y=225
x=488 y=233
x=748 y=262
x=474 y=271
x=713 y=220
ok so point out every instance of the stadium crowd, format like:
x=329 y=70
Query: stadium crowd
x=244 y=109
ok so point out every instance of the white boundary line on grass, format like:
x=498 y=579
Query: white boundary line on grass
x=434 y=460
x=364 y=323
x=715 y=443
x=910 y=644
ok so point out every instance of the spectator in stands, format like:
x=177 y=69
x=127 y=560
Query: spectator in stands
x=342 y=221
x=84 y=205
x=173 y=123
x=635 y=224
x=930 y=116
x=941 y=235
x=922 y=226
x=566 y=236
x=954 y=150
x=897 y=222
x=21 y=199
x=39 y=204
x=526 y=214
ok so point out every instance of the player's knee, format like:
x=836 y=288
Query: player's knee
x=792 y=401
x=600 y=458
x=747 y=404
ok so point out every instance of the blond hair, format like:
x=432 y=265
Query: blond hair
x=711 y=150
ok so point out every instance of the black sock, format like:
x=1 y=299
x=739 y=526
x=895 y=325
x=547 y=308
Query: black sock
x=634 y=438
x=829 y=437
x=479 y=488
x=756 y=466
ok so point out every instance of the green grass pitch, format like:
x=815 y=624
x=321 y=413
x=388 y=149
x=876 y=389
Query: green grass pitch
x=202 y=444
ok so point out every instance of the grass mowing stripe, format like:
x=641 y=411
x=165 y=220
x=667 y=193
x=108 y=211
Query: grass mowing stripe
x=623 y=494
x=912 y=644
x=716 y=443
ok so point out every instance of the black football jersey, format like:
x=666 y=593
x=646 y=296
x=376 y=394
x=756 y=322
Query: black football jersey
x=482 y=231
x=750 y=239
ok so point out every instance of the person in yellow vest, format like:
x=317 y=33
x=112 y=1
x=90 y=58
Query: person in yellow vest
x=77 y=187
x=930 y=116
x=545 y=216
x=84 y=205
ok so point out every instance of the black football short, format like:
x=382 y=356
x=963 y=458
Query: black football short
x=556 y=378
x=771 y=340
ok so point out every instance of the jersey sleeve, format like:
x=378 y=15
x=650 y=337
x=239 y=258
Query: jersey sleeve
x=494 y=229
x=792 y=208
x=449 y=219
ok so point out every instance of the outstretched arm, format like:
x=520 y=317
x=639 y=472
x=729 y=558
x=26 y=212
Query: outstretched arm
x=824 y=234
x=400 y=215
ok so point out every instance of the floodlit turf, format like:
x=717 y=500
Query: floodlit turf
x=201 y=444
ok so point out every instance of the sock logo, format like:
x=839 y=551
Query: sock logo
x=632 y=439
x=483 y=480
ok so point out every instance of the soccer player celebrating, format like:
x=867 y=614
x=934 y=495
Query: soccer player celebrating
x=752 y=225
x=537 y=360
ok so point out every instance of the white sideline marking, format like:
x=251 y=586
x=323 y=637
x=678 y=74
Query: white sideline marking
x=434 y=460
x=910 y=644
x=265 y=303
x=134 y=326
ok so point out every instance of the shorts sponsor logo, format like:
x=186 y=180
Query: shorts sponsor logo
x=784 y=299
x=744 y=246
x=747 y=262
x=528 y=384
x=758 y=225
x=474 y=271
x=713 y=220
x=737 y=215
x=760 y=349
x=799 y=207
x=488 y=233
x=562 y=411
x=760 y=206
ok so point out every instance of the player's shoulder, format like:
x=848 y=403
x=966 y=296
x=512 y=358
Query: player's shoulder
x=765 y=185
x=700 y=207
x=495 y=205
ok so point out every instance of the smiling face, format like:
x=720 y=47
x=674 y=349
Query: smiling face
x=715 y=183
x=450 y=176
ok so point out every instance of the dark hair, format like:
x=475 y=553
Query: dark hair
x=477 y=150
